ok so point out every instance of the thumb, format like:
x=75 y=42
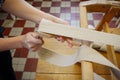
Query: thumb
x=36 y=38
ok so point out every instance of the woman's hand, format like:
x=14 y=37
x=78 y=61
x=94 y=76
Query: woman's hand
x=32 y=41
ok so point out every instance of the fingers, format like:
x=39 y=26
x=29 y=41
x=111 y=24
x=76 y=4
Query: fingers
x=33 y=41
x=35 y=47
x=70 y=42
x=62 y=39
x=34 y=38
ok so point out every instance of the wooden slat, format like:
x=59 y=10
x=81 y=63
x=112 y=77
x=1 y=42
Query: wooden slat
x=107 y=17
x=118 y=23
x=110 y=51
x=63 y=77
x=87 y=70
x=99 y=5
x=83 y=17
x=58 y=77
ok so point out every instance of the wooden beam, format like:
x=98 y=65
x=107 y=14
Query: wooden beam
x=110 y=52
x=87 y=69
x=99 y=5
x=83 y=17
x=107 y=17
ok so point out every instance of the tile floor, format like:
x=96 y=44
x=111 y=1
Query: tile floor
x=24 y=61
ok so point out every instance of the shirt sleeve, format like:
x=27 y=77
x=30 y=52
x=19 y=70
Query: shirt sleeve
x=1 y=3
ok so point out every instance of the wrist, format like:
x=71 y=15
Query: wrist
x=20 y=40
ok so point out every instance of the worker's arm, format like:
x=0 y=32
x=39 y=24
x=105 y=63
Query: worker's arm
x=24 y=10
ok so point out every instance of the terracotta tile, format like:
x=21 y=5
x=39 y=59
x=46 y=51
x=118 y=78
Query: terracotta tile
x=31 y=64
x=90 y=22
x=45 y=9
x=56 y=4
x=65 y=9
x=21 y=52
x=7 y=31
x=97 y=16
x=19 y=23
x=26 y=30
x=75 y=16
x=37 y=4
x=19 y=75
x=75 y=4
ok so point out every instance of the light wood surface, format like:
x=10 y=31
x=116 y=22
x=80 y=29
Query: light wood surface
x=86 y=67
x=110 y=51
x=63 y=77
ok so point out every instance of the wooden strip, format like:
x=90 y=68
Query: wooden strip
x=83 y=17
x=100 y=2
x=87 y=70
x=118 y=23
x=79 y=33
x=110 y=52
x=58 y=77
x=86 y=67
x=110 y=49
x=63 y=77
x=107 y=17
x=98 y=5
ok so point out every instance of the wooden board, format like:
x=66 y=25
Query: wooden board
x=63 y=77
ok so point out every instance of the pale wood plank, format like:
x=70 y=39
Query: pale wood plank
x=99 y=6
x=87 y=70
x=83 y=17
x=63 y=77
x=110 y=51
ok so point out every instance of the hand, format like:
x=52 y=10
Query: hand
x=62 y=39
x=32 y=41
